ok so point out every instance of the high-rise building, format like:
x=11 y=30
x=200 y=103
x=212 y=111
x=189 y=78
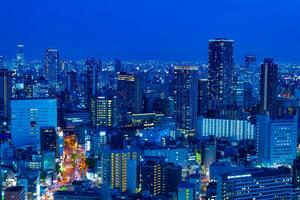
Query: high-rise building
x=48 y=139
x=102 y=111
x=28 y=116
x=268 y=86
x=209 y=154
x=129 y=95
x=28 y=85
x=1 y=62
x=186 y=98
x=93 y=68
x=118 y=66
x=221 y=75
x=5 y=94
x=296 y=173
x=159 y=177
x=260 y=183
x=15 y=193
x=276 y=140
x=71 y=81
x=121 y=167
x=20 y=57
x=186 y=191
x=202 y=96
x=51 y=65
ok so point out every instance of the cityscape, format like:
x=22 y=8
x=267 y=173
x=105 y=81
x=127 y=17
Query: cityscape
x=224 y=125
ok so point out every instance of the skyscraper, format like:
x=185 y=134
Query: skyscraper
x=221 y=73
x=71 y=81
x=28 y=85
x=48 y=139
x=129 y=95
x=102 y=111
x=51 y=65
x=5 y=93
x=268 y=86
x=186 y=98
x=202 y=96
x=121 y=160
x=20 y=57
x=118 y=66
x=1 y=62
x=93 y=67
x=27 y=118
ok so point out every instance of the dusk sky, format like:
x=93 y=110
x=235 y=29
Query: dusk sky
x=150 y=29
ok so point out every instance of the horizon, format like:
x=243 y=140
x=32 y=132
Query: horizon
x=169 y=30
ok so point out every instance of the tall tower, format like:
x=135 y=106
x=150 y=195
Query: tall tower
x=93 y=67
x=129 y=95
x=118 y=66
x=268 y=86
x=221 y=73
x=186 y=98
x=20 y=57
x=51 y=65
x=5 y=94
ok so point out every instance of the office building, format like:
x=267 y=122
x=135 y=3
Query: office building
x=121 y=162
x=129 y=95
x=221 y=76
x=118 y=66
x=102 y=111
x=276 y=140
x=186 y=98
x=228 y=128
x=48 y=139
x=20 y=62
x=14 y=193
x=93 y=68
x=186 y=191
x=202 y=96
x=260 y=183
x=268 y=86
x=28 y=116
x=71 y=81
x=52 y=63
x=5 y=94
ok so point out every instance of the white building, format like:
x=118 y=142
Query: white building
x=28 y=116
x=231 y=128
x=276 y=140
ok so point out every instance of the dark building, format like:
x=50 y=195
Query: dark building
x=48 y=139
x=102 y=111
x=5 y=94
x=1 y=62
x=93 y=67
x=129 y=95
x=28 y=85
x=250 y=60
x=71 y=81
x=268 y=86
x=118 y=66
x=221 y=73
x=20 y=57
x=186 y=98
x=202 y=96
x=51 y=65
x=296 y=173
x=159 y=177
x=15 y=193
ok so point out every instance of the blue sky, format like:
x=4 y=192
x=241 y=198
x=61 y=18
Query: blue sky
x=150 y=29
